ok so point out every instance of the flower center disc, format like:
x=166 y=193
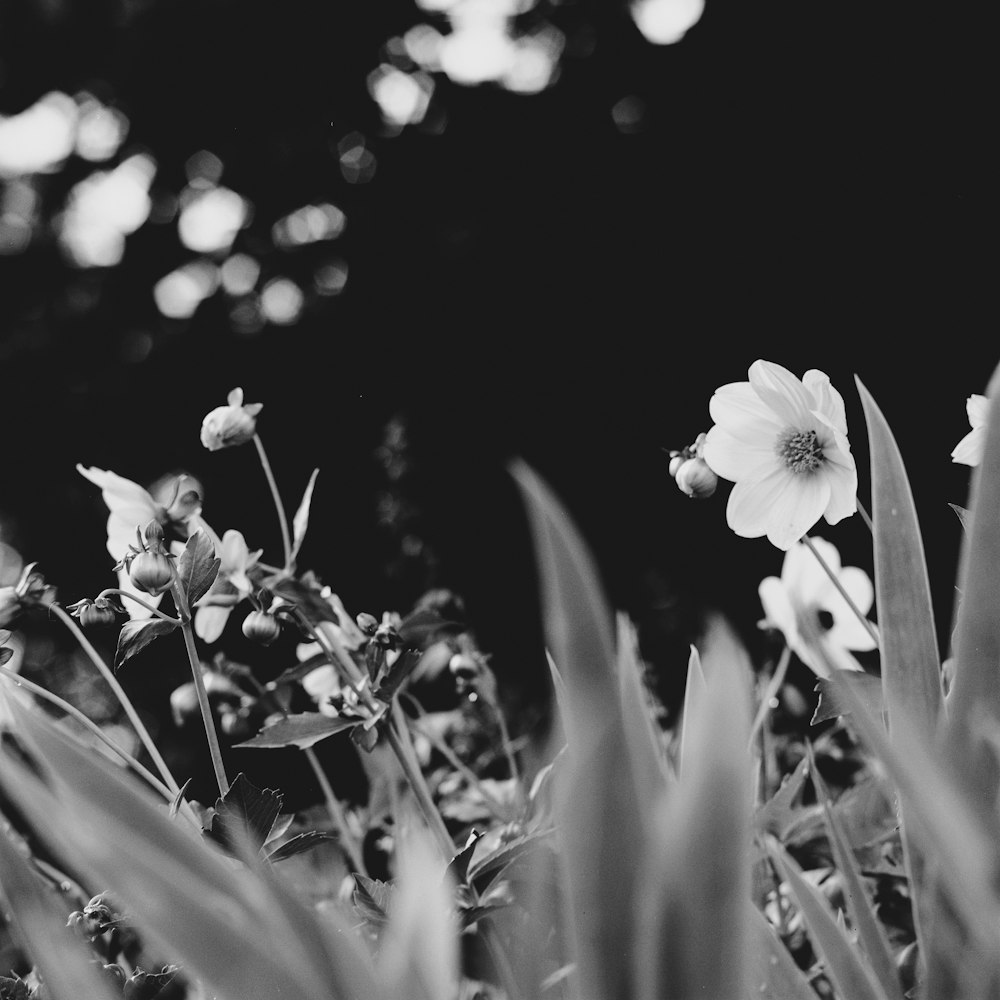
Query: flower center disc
x=800 y=450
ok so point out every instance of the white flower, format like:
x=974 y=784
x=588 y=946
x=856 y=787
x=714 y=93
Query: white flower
x=805 y=589
x=227 y=426
x=969 y=451
x=231 y=586
x=784 y=443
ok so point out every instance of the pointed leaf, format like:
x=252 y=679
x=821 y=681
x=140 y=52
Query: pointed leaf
x=493 y=865
x=301 y=731
x=773 y=974
x=245 y=811
x=859 y=906
x=963 y=515
x=693 y=690
x=867 y=687
x=911 y=670
x=778 y=815
x=850 y=975
x=198 y=566
x=298 y=844
x=599 y=780
x=458 y=867
x=372 y=897
x=301 y=520
x=137 y=635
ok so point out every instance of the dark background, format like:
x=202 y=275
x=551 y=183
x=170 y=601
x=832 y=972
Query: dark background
x=807 y=185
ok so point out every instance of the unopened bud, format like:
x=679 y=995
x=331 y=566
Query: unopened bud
x=151 y=572
x=676 y=461
x=367 y=623
x=262 y=627
x=227 y=426
x=696 y=479
x=97 y=614
x=154 y=533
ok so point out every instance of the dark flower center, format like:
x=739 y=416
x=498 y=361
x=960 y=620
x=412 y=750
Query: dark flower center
x=799 y=450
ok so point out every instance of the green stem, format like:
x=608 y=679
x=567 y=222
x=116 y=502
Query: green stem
x=772 y=689
x=139 y=601
x=123 y=699
x=199 y=685
x=507 y=748
x=840 y=589
x=865 y=516
x=69 y=709
x=286 y=540
x=347 y=840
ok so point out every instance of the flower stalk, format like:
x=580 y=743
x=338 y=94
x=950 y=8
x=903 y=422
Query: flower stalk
x=840 y=589
x=199 y=686
x=286 y=540
x=138 y=600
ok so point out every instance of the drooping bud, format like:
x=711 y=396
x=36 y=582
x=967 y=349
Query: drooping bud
x=696 y=479
x=262 y=627
x=152 y=572
x=228 y=426
x=97 y=614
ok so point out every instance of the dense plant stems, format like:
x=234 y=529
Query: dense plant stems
x=286 y=541
x=199 y=685
x=123 y=699
x=69 y=709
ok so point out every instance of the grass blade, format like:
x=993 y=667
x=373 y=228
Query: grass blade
x=773 y=974
x=601 y=826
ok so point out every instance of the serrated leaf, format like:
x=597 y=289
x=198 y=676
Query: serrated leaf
x=198 y=566
x=301 y=520
x=372 y=897
x=299 y=843
x=302 y=730
x=137 y=635
x=245 y=813
x=859 y=906
x=849 y=974
x=867 y=687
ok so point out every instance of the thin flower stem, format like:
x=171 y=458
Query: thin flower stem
x=508 y=750
x=286 y=540
x=773 y=687
x=139 y=601
x=199 y=685
x=123 y=699
x=69 y=709
x=840 y=589
x=865 y=517
x=420 y=790
x=347 y=840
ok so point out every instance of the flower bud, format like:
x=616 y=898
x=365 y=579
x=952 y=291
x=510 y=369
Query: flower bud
x=227 y=426
x=97 y=614
x=154 y=533
x=152 y=572
x=696 y=479
x=367 y=623
x=676 y=461
x=262 y=627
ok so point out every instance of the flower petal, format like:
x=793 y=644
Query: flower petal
x=733 y=459
x=233 y=552
x=843 y=492
x=969 y=451
x=210 y=621
x=743 y=414
x=827 y=400
x=803 y=574
x=781 y=391
x=796 y=508
x=778 y=610
x=978 y=410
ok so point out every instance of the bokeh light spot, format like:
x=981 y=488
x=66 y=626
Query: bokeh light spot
x=178 y=294
x=281 y=301
x=664 y=22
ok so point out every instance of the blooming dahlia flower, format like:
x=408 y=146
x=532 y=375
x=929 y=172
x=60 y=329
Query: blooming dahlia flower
x=969 y=451
x=783 y=442
x=805 y=589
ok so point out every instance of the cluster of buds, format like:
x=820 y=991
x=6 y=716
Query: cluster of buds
x=691 y=472
x=100 y=611
x=149 y=566
x=31 y=590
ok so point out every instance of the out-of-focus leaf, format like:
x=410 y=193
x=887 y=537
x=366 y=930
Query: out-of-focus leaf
x=137 y=635
x=867 y=687
x=420 y=625
x=41 y=928
x=297 y=672
x=773 y=974
x=779 y=814
x=298 y=844
x=601 y=820
x=851 y=976
x=911 y=669
x=198 y=567
x=637 y=714
x=246 y=808
x=458 y=867
x=301 y=520
x=489 y=868
x=183 y=896
x=419 y=954
x=400 y=669
x=691 y=938
x=302 y=730
x=148 y=985
x=694 y=690
x=859 y=906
